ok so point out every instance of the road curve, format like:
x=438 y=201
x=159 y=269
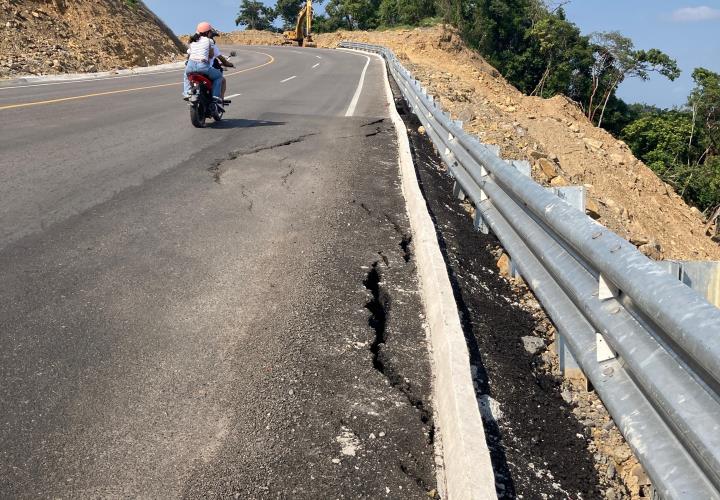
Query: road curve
x=191 y=312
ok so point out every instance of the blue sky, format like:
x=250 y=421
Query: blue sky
x=687 y=31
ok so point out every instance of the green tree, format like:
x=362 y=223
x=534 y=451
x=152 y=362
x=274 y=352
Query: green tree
x=567 y=56
x=255 y=15
x=680 y=145
x=389 y=13
x=354 y=14
x=661 y=139
x=616 y=59
x=288 y=11
x=405 y=12
x=705 y=103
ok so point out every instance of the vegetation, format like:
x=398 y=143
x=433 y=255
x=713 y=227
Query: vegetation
x=255 y=15
x=682 y=145
x=542 y=53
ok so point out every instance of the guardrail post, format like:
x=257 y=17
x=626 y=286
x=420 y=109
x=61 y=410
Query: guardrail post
x=701 y=276
x=524 y=168
x=458 y=192
x=575 y=196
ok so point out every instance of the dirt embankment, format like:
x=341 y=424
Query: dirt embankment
x=40 y=37
x=251 y=37
x=563 y=146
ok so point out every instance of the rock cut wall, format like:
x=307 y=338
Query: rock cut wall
x=67 y=36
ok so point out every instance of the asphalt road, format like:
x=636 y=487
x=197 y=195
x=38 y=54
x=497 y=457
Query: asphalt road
x=224 y=312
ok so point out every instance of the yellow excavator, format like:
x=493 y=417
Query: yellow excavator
x=303 y=28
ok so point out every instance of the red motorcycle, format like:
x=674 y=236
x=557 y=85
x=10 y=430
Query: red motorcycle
x=202 y=103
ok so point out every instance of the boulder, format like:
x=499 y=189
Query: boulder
x=548 y=167
x=639 y=240
x=592 y=208
x=593 y=144
x=559 y=182
x=532 y=345
x=652 y=250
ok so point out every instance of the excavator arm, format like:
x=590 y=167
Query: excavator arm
x=303 y=28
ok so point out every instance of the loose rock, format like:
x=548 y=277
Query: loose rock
x=533 y=344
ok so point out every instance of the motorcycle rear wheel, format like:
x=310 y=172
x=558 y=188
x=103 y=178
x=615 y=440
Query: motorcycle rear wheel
x=197 y=116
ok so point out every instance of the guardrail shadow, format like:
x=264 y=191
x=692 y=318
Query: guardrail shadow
x=243 y=123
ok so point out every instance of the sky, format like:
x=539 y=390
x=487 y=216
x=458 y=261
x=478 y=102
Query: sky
x=687 y=31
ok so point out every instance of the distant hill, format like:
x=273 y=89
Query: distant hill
x=67 y=36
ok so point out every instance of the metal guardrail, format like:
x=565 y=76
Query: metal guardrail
x=649 y=345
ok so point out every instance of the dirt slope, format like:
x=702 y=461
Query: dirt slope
x=67 y=36
x=564 y=147
x=251 y=37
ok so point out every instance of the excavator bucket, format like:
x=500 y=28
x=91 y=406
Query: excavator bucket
x=309 y=42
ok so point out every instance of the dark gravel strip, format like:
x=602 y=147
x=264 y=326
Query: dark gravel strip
x=537 y=445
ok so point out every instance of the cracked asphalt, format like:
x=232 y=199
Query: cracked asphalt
x=227 y=312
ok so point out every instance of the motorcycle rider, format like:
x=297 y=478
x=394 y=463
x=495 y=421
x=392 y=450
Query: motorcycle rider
x=220 y=62
x=200 y=55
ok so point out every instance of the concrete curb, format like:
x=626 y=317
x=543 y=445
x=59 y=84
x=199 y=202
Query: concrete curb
x=70 y=77
x=468 y=472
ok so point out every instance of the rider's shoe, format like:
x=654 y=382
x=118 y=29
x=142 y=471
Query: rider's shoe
x=186 y=97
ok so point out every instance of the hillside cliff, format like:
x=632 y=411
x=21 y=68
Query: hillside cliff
x=67 y=36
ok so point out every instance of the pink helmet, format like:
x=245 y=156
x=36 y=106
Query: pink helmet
x=203 y=27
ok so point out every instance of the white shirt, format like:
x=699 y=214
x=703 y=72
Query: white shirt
x=202 y=50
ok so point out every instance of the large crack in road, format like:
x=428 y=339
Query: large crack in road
x=340 y=405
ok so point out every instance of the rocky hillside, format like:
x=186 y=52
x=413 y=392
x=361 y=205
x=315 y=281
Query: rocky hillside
x=66 y=36
x=247 y=37
x=563 y=146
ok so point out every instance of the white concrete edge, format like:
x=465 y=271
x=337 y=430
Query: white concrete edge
x=70 y=77
x=467 y=468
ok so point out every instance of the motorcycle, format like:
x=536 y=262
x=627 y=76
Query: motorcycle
x=201 y=101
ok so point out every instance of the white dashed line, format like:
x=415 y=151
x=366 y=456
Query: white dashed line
x=318 y=64
x=318 y=57
x=288 y=79
x=231 y=96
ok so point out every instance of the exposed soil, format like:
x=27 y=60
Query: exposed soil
x=66 y=36
x=563 y=146
x=247 y=37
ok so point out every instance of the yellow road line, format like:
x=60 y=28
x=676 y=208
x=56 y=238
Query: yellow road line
x=87 y=96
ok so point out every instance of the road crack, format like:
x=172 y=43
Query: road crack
x=244 y=194
x=376 y=122
x=379 y=306
x=216 y=167
x=283 y=144
x=287 y=176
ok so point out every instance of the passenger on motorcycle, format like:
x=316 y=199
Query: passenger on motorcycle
x=200 y=55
